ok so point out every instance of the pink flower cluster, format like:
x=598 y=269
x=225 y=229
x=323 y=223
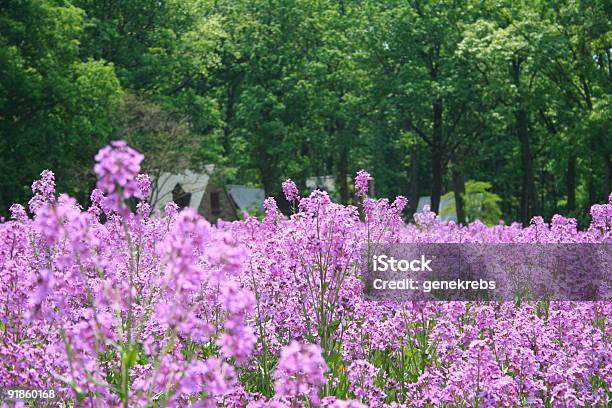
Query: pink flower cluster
x=117 y=167
x=300 y=371
x=362 y=180
x=290 y=190
x=118 y=308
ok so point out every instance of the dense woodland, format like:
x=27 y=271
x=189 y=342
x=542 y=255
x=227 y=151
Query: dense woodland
x=426 y=95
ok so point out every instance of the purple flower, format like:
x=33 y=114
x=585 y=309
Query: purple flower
x=213 y=376
x=143 y=182
x=143 y=209
x=205 y=302
x=18 y=213
x=96 y=196
x=45 y=284
x=271 y=209
x=400 y=203
x=43 y=190
x=300 y=371
x=333 y=402
x=362 y=180
x=117 y=167
x=361 y=376
x=46 y=184
x=290 y=190
x=238 y=343
x=171 y=209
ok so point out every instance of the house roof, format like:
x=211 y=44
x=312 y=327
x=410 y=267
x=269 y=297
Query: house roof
x=327 y=183
x=193 y=183
x=247 y=199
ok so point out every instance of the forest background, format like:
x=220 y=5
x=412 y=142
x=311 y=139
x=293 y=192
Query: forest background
x=429 y=96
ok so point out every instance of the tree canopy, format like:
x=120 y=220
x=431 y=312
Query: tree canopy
x=424 y=94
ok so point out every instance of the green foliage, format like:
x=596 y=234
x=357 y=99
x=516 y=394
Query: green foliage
x=54 y=105
x=517 y=93
x=479 y=203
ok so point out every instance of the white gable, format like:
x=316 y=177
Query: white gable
x=247 y=199
x=193 y=183
x=328 y=183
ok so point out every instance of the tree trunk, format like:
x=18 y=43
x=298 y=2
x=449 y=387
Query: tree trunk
x=459 y=189
x=413 y=192
x=230 y=111
x=571 y=182
x=343 y=171
x=608 y=185
x=437 y=165
x=266 y=166
x=267 y=178
x=591 y=190
x=528 y=194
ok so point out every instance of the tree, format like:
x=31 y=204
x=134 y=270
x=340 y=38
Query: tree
x=480 y=203
x=164 y=54
x=168 y=138
x=293 y=102
x=502 y=49
x=576 y=59
x=420 y=83
x=54 y=106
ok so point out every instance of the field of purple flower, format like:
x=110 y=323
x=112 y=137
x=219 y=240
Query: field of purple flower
x=111 y=307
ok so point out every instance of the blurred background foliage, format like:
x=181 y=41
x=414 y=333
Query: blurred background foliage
x=478 y=203
x=424 y=94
